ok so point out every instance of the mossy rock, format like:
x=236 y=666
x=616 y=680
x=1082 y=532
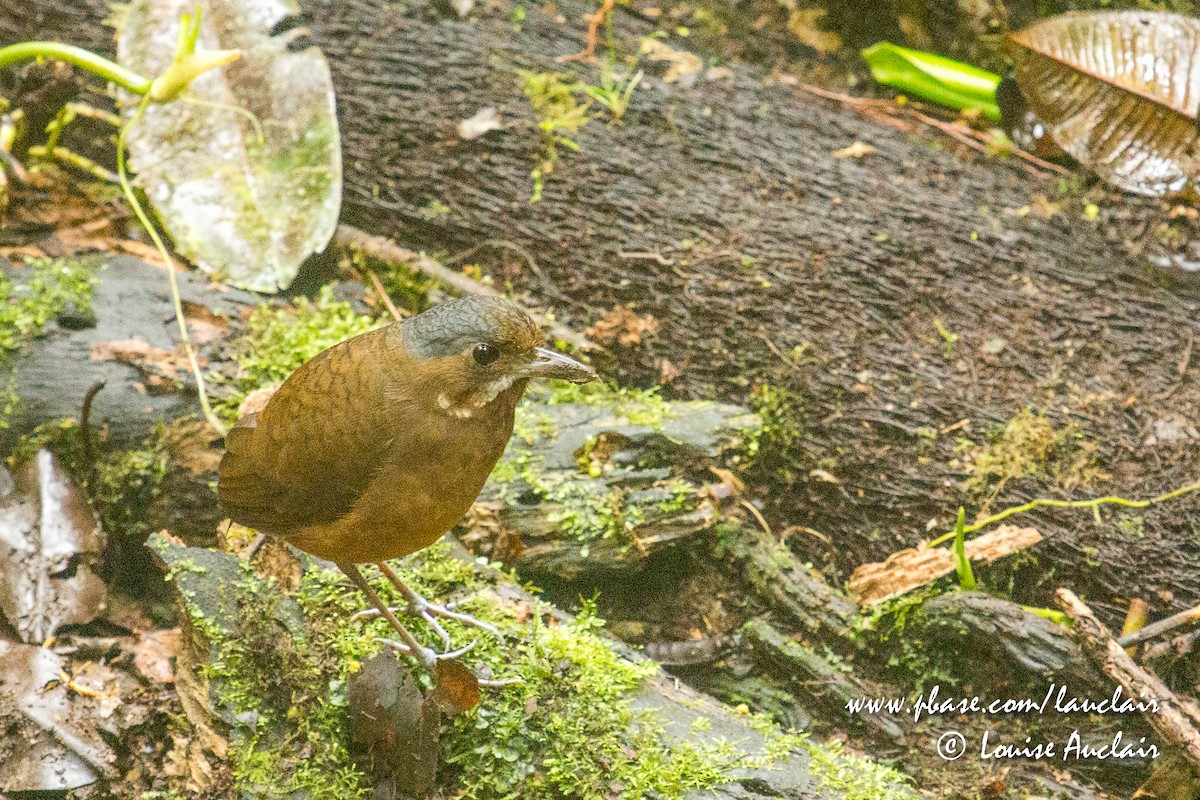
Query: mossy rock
x=604 y=479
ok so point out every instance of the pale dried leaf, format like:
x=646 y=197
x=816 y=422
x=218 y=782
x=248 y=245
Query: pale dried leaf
x=1119 y=92
x=153 y=652
x=159 y=366
x=909 y=569
x=247 y=211
x=854 y=150
x=804 y=23
x=52 y=742
x=623 y=326
x=49 y=540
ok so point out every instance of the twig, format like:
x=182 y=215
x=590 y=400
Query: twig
x=383 y=295
x=386 y=250
x=1171 y=718
x=85 y=426
x=588 y=53
x=885 y=111
x=1162 y=626
x=746 y=504
x=530 y=261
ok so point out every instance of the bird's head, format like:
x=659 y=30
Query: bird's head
x=471 y=351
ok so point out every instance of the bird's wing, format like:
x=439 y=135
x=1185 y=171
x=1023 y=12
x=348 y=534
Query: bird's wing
x=308 y=456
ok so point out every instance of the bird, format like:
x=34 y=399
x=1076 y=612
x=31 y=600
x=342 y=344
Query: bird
x=374 y=448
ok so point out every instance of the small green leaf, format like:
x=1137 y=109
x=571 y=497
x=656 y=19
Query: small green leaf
x=962 y=564
x=933 y=77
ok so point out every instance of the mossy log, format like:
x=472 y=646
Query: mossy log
x=131 y=306
x=254 y=654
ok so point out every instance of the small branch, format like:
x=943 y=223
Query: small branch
x=383 y=295
x=1162 y=626
x=1172 y=720
x=588 y=53
x=388 y=251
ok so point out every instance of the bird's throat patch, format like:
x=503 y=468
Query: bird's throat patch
x=477 y=399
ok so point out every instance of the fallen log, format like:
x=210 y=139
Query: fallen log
x=238 y=624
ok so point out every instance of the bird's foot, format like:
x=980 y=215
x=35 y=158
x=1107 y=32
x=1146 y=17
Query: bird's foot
x=420 y=607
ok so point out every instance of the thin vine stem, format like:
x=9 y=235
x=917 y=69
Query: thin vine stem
x=144 y=219
x=1094 y=504
x=108 y=70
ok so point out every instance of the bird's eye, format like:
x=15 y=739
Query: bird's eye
x=485 y=354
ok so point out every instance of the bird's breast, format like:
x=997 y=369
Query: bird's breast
x=424 y=486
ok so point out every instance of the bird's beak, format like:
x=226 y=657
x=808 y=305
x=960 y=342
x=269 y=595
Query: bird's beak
x=553 y=364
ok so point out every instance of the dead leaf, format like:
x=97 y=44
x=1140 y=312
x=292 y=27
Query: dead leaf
x=482 y=121
x=51 y=742
x=204 y=325
x=803 y=23
x=394 y=728
x=152 y=654
x=456 y=686
x=854 y=150
x=246 y=206
x=908 y=569
x=256 y=401
x=623 y=326
x=159 y=366
x=1116 y=91
x=49 y=542
x=681 y=64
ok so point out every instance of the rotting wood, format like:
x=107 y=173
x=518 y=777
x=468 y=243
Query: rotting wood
x=909 y=569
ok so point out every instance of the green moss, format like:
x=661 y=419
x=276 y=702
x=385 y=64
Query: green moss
x=281 y=339
x=408 y=288
x=1028 y=445
x=53 y=286
x=775 y=449
x=560 y=116
x=45 y=289
x=637 y=406
x=851 y=777
x=569 y=731
x=887 y=622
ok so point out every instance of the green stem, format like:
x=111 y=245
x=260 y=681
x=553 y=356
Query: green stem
x=108 y=70
x=1044 y=502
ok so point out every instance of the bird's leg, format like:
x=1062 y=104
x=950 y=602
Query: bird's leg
x=428 y=611
x=408 y=643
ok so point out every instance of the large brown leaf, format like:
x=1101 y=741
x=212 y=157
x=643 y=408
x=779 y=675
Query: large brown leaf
x=49 y=542
x=52 y=725
x=1119 y=91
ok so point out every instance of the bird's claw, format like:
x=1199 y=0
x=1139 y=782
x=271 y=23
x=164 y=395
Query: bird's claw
x=427 y=655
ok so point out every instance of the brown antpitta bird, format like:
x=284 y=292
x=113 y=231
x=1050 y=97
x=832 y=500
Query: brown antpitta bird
x=377 y=446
